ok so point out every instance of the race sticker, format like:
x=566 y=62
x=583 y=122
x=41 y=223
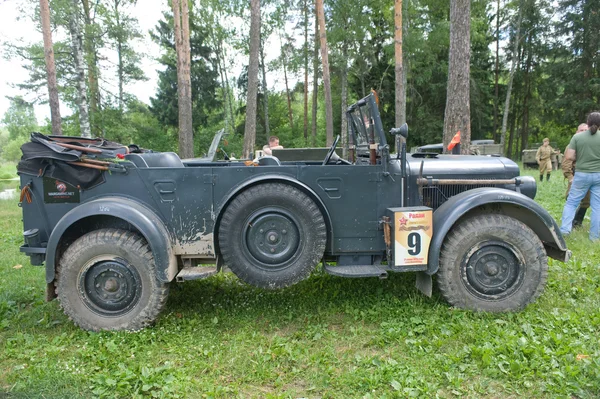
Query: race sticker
x=412 y=233
x=57 y=192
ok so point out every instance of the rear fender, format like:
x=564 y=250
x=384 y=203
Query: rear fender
x=273 y=178
x=496 y=200
x=141 y=218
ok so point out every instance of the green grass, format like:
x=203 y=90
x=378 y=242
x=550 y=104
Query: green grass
x=326 y=337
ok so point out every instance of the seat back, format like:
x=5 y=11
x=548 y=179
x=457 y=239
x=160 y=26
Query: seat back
x=155 y=160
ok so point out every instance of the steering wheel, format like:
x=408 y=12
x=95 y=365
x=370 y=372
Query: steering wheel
x=331 y=150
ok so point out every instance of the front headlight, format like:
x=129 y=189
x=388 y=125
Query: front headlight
x=526 y=185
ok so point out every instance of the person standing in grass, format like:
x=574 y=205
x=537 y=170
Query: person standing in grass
x=543 y=157
x=568 y=168
x=584 y=148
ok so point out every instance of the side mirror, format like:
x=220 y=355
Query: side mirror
x=400 y=131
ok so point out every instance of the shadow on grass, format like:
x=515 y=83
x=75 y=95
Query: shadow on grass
x=319 y=297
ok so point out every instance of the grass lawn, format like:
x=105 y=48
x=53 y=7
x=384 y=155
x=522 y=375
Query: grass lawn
x=326 y=337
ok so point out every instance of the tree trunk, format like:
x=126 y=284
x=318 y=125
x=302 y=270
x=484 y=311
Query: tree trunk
x=512 y=135
x=220 y=67
x=265 y=93
x=182 y=43
x=344 y=84
x=92 y=61
x=457 y=116
x=513 y=65
x=497 y=73
x=50 y=68
x=306 y=72
x=250 y=128
x=120 y=67
x=525 y=121
x=400 y=88
x=287 y=87
x=326 y=79
x=228 y=93
x=315 y=82
x=77 y=47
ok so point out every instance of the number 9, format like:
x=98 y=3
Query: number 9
x=414 y=243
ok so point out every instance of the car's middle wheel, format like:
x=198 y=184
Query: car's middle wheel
x=272 y=235
x=492 y=263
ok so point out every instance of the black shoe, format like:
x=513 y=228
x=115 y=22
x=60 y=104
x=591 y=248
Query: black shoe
x=548 y=177
x=541 y=177
x=579 y=215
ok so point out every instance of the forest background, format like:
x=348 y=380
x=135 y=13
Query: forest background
x=551 y=47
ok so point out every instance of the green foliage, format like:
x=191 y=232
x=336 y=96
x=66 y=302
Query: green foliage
x=325 y=337
x=556 y=82
x=203 y=73
x=19 y=120
x=12 y=151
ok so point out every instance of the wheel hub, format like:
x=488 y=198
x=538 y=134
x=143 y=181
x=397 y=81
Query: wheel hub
x=272 y=236
x=493 y=269
x=110 y=287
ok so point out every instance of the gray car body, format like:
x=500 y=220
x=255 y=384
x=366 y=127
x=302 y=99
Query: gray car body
x=178 y=208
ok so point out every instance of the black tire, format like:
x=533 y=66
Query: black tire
x=492 y=263
x=272 y=236
x=107 y=281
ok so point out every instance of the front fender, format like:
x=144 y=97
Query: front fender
x=496 y=200
x=140 y=217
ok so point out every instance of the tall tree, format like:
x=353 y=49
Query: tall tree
x=122 y=30
x=513 y=65
x=458 y=114
x=77 y=46
x=265 y=94
x=497 y=72
x=305 y=51
x=400 y=88
x=326 y=78
x=250 y=128
x=182 y=44
x=50 y=68
x=284 y=59
x=203 y=73
x=91 y=43
x=313 y=132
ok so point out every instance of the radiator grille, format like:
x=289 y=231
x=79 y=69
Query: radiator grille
x=435 y=196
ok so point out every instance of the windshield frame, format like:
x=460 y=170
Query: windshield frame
x=364 y=125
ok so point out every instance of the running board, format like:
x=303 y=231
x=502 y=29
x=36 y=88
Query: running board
x=195 y=273
x=357 y=271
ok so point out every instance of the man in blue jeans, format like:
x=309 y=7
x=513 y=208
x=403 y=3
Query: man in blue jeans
x=585 y=149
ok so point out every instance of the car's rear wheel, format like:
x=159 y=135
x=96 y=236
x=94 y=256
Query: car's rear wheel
x=107 y=281
x=272 y=235
x=492 y=263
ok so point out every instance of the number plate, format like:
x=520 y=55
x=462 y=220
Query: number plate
x=413 y=228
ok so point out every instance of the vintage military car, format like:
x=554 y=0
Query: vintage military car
x=115 y=225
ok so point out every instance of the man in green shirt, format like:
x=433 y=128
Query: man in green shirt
x=568 y=168
x=584 y=148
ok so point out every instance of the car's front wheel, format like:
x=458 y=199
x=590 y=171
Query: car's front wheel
x=492 y=263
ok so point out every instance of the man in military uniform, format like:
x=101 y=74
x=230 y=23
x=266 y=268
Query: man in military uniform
x=543 y=158
x=568 y=168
